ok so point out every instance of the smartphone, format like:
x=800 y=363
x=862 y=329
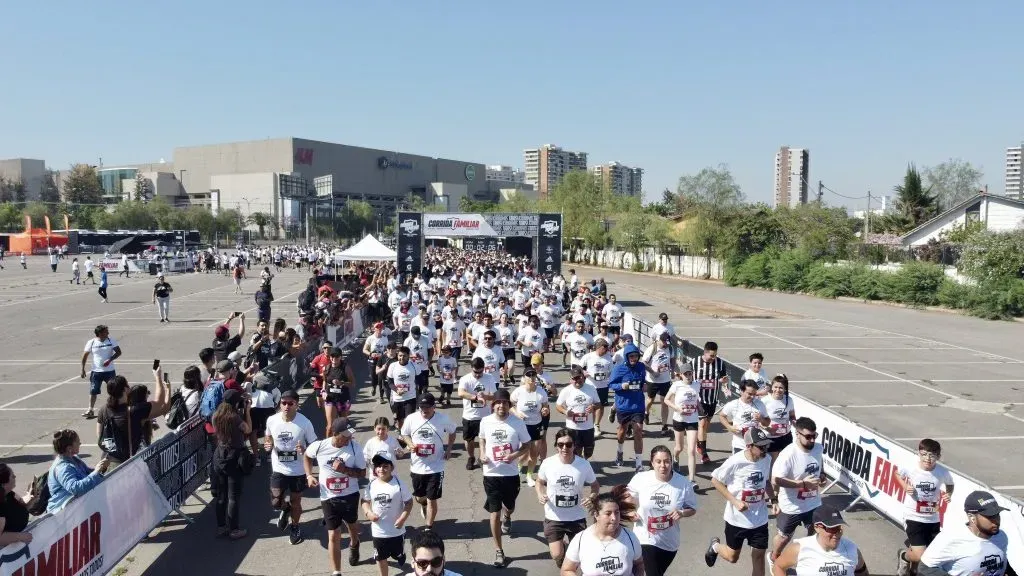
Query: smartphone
x=167 y=378
x=156 y=364
x=237 y=314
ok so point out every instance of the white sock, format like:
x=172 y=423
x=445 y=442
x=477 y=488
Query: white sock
x=636 y=458
x=715 y=547
x=618 y=451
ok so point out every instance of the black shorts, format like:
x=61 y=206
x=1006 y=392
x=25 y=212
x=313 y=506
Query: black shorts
x=385 y=548
x=534 y=430
x=281 y=485
x=921 y=534
x=656 y=560
x=627 y=418
x=756 y=537
x=422 y=381
x=549 y=333
x=788 y=523
x=456 y=352
x=429 y=486
x=340 y=511
x=584 y=438
x=501 y=492
x=404 y=408
x=470 y=429
x=558 y=530
x=781 y=442
x=707 y=410
x=509 y=353
x=683 y=426
x=526 y=360
x=657 y=389
x=602 y=395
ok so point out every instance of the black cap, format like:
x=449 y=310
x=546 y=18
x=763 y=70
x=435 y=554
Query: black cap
x=501 y=395
x=576 y=372
x=415 y=330
x=983 y=503
x=662 y=316
x=828 y=516
x=340 y=425
x=380 y=460
x=756 y=437
x=426 y=400
x=233 y=397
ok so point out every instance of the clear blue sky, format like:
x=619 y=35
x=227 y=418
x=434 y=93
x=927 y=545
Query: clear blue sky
x=867 y=86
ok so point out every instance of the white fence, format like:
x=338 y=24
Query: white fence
x=691 y=266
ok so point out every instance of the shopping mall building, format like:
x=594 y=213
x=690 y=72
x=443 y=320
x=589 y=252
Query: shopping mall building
x=283 y=176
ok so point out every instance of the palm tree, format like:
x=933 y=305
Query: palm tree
x=260 y=220
x=914 y=203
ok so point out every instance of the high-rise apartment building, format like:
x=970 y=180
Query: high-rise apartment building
x=502 y=173
x=1014 y=184
x=792 y=171
x=620 y=179
x=546 y=166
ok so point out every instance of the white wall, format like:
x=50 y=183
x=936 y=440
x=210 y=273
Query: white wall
x=247 y=193
x=689 y=266
x=937 y=228
x=1003 y=217
x=998 y=217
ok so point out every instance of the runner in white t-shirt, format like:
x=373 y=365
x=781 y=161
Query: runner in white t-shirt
x=503 y=440
x=386 y=503
x=781 y=415
x=597 y=365
x=476 y=390
x=104 y=350
x=578 y=402
x=743 y=413
x=798 y=474
x=606 y=548
x=756 y=373
x=928 y=486
x=684 y=399
x=427 y=550
x=826 y=551
x=977 y=547
x=288 y=435
x=429 y=434
x=662 y=498
x=560 y=483
x=382 y=442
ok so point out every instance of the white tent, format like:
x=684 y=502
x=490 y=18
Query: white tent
x=368 y=248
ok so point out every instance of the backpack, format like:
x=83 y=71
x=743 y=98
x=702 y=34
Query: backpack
x=40 y=492
x=307 y=299
x=212 y=397
x=178 y=413
x=108 y=439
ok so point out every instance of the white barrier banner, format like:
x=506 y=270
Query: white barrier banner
x=456 y=225
x=868 y=464
x=93 y=532
x=178 y=265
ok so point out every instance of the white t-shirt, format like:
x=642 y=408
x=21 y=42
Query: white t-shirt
x=502 y=437
x=957 y=551
x=493 y=358
x=656 y=500
x=578 y=345
x=287 y=437
x=686 y=395
x=531 y=339
x=612 y=558
x=780 y=412
x=506 y=336
x=101 y=350
x=487 y=384
x=334 y=484
x=796 y=464
x=923 y=506
x=576 y=400
x=660 y=361
x=564 y=487
x=760 y=377
x=529 y=403
x=418 y=348
x=743 y=417
x=376 y=345
x=88 y=266
x=813 y=560
x=547 y=316
x=598 y=368
x=429 y=439
x=747 y=481
x=612 y=313
x=659 y=328
x=387 y=447
x=446 y=367
x=453 y=331
x=387 y=500
x=404 y=378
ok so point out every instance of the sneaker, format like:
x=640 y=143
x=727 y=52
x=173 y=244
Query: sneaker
x=401 y=559
x=469 y=463
x=666 y=432
x=902 y=566
x=710 y=556
x=353 y=556
x=639 y=468
x=222 y=531
x=611 y=416
x=506 y=524
x=499 y=559
x=89 y=415
x=295 y=536
x=530 y=481
x=238 y=533
x=284 y=518
x=597 y=429
x=618 y=459
x=704 y=458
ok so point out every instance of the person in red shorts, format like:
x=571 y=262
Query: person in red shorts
x=317 y=367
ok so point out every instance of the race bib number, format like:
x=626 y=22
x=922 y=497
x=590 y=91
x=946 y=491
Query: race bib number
x=490 y=369
x=580 y=417
x=417 y=359
x=687 y=409
x=779 y=428
x=662 y=368
x=338 y=484
x=424 y=450
x=707 y=384
x=335 y=390
x=927 y=507
x=289 y=456
x=600 y=376
x=401 y=389
x=752 y=496
x=567 y=501
x=656 y=523
x=447 y=375
x=500 y=452
x=405 y=325
x=802 y=494
x=477 y=403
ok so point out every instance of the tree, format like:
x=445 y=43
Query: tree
x=820 y=231
x=989 y=256
x=636 y=229
x=6 y=190
x=517 y=202
x=50 y=194
x=953 y=181
x=260 y=220
x=467 y=204
x=667 y=206
x=82 y=186
x=10 y=218
x=143 y=190
x=712 y=196
x=914 y=203
x=585 y=206
x=753 y=230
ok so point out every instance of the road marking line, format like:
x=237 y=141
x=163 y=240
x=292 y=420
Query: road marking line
x=66 y=294
x=930 y=340
x=839 y=381
x=1017 y=487
x=150 y=306
x=38 y=392
x=218 y=323
x=952 y=438
x=880 y=405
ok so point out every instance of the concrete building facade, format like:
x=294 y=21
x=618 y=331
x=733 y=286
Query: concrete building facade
x=1014 y=181
x=501 y=173
x=546 y=166
x=620 y=179
x=29 y=171
x=792 y=172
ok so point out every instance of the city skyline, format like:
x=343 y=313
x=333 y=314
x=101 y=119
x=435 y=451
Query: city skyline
x=873 y=101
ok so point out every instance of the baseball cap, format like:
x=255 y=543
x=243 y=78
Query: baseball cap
x=290 y=395
x=828 y=516
x=536 y=359
x=224 y=366
x=232 y=384
x=233 y=396
x=380 y=460
x=426 y=400
x=983 y=503
x=235 y=356
x=501 y=395
x=221 y=331
x=626 y=337
x=662 y=316
x=576 y=372
x=340 y=425
x=756 y=437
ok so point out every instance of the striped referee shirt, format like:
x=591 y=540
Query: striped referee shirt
x=709 y=374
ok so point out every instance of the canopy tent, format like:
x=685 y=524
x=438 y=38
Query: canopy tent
x=368 y=248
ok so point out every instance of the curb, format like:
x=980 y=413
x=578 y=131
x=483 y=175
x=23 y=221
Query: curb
x=650 y=274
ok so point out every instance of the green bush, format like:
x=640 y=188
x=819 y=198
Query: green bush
x=870 y=284
x=953 y=294
x=788 y=270
x=753 y=272
x=830 y=281
x=998 y=299
x=917 y=283
x=637 y=266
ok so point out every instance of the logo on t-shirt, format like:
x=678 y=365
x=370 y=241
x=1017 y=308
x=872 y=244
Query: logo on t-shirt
x=285 y=437
x=500 y=435
x=992 y=564
x=832 y=569
x=566 y=482
x=780 y=413
x=812 y=469
x=610 y=564
x=383 y=500
x=661 y=500
x=754 y=480
x=529 y=406
x=424 y=434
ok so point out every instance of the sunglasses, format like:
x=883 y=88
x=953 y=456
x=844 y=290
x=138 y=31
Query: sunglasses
x=434 y=562
x=831 y=529
x=813 y=436
x=929 y=455
x=564 y=444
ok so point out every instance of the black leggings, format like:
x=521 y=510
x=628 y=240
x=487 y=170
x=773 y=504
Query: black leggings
x=656 y=560
x=103 y=292
x=229 y=494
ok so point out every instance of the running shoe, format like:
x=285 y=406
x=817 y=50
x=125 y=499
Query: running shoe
x=284 y=518
x=499 y=559
x=710 y=556
x=295 y=536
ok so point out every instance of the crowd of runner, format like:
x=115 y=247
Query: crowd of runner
x=478 y=329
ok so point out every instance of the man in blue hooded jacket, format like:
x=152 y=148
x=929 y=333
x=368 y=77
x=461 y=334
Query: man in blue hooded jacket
x=627 y=380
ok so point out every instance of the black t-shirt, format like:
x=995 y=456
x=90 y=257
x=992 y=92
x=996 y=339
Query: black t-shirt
x=340 y=374
x=162 y=289
x=14 y=512
x=140 y=416
x=221 y=348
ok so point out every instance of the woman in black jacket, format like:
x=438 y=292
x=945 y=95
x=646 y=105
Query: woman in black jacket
x=231 y=429
x=13 y=510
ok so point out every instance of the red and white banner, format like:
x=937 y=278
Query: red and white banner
x=93 y=532
x=441 y=224
x=114 y=265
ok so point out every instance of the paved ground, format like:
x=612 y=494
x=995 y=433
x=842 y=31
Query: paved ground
x=905 y=373
x=49 y=321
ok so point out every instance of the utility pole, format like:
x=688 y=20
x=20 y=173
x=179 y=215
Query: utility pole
x=867 y=218
x=821 y=191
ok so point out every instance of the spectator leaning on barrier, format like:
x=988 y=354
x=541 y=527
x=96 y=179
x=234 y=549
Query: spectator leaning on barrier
x=121 y=423
x=232 y=423
x=69 y=475
x=13 y=509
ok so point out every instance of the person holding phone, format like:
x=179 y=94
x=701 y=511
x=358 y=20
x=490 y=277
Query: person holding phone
x=223 y=342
